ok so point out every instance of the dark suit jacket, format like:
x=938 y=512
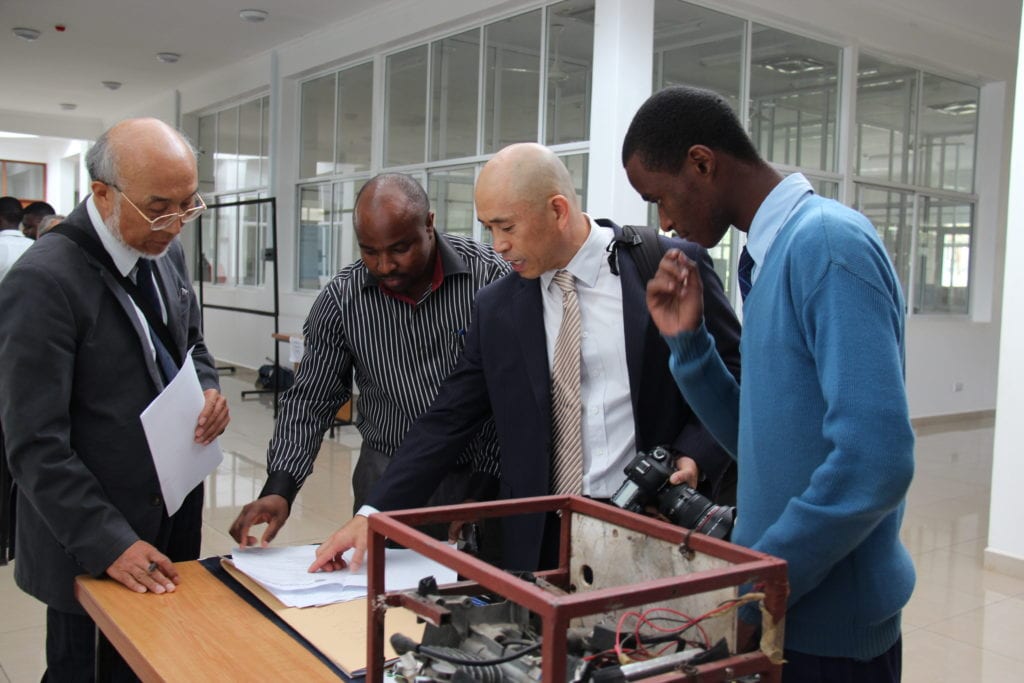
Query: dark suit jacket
x=504 y=370
x=75 y=373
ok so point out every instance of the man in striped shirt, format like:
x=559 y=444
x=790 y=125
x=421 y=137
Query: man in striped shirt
x=397 y=320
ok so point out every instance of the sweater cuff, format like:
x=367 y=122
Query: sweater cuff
x=283 y=484
x=691 y=345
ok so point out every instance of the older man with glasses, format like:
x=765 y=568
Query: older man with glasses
x=96 y=319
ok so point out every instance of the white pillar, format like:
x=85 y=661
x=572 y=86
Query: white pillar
x=623 y=73
x=1005 y=551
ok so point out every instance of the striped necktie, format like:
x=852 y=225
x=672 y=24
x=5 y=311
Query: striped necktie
x=566 y=408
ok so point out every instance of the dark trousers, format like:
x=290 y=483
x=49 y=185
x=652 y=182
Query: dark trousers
x=885 y=668
x=71 y=651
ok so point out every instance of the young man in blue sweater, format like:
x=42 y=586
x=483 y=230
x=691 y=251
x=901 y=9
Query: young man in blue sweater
x=820 y=427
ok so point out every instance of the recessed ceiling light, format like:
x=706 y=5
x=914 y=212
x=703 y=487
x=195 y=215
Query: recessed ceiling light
x=68 y=106
x=254 y=15
x=26 y=33
x=111 y=85
x=168 y=57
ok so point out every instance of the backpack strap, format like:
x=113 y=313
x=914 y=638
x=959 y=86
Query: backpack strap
x=645 y=248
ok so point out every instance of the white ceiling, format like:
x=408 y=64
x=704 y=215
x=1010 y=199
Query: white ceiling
x=117 y=40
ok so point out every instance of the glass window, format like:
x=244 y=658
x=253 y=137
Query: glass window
x=355 y=118
x=316 y=156
x=316 y=236
x=891 y=212
x=570 y=46
x=451 y=198
x=454 y=93
x=512 y=96
x=226 y=227
x=794 y=98
x=943 y=255
x=698 y=47
x=207 y=149
x=578 y=168
x=886 y=116
x=24 y=180
x=250 y=241
x=405 y=94
x=249 y=137
x=949 y=119
x=225 y=159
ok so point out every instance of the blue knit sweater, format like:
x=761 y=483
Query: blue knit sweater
x=820 y=428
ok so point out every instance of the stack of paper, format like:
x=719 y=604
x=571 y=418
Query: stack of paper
x=282 y=571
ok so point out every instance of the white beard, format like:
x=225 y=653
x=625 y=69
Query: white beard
x=114 y=225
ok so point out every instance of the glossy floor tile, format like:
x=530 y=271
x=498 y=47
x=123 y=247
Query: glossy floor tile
x=963 y=623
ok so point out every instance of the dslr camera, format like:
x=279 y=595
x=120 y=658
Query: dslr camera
x=647 y=485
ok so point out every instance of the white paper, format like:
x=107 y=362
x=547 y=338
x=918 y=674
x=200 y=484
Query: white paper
x=282 y=571
x=170 y=426
x=295 y=349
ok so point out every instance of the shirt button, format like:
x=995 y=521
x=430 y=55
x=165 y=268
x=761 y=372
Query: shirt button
x=156 y=501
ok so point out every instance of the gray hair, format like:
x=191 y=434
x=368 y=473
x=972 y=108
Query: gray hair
x=101 y=162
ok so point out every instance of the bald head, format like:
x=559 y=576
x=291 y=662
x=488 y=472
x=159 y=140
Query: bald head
x=528 y=173
x=132 y=144
x=141 y=170
x=526 y=198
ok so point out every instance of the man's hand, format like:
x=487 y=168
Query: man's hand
x=675 y=295
x=353 y=535
x=143 y=568
x=687 y=472
x=271 y=510
x=214 y=418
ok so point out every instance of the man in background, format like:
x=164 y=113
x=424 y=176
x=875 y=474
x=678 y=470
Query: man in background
x=396 y=319
x=34 y=214
x=94 y=322
x=12 y=242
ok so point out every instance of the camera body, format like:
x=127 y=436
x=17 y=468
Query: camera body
x=647 y=484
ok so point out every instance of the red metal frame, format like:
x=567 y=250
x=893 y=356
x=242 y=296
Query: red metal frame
x=557 y=610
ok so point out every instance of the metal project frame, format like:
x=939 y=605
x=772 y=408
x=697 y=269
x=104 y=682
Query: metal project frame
x=272 y=252
x=549 y=598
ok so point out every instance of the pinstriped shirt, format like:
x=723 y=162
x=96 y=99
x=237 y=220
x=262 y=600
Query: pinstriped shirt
x=398 y=354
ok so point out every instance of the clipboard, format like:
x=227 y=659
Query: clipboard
x=338 y=631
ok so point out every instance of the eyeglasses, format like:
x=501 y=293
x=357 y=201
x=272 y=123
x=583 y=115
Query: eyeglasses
x=167 y=220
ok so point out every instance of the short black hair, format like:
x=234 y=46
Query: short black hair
x=10 y=210
x=675 y=119
x=419 y=203
x=39 y=209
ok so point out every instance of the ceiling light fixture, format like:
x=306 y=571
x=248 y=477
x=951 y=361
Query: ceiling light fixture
x=25 y=33
x=68 y=106
x=111 y=85
x=168 y=57
x=254 y=16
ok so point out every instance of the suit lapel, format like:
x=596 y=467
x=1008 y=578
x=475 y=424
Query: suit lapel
x=528 y=317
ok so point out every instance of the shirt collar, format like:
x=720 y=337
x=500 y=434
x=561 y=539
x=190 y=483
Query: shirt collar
x=124 y=257
x=585 y=265
x=772 y=215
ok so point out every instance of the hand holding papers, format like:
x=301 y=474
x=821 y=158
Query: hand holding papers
x=169 y=423
x=282 y=571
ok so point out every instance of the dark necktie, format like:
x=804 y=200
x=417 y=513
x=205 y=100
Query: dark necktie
x=144 y=281
x=743 y=273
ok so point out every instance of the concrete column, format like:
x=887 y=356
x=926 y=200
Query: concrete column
x=623 y=73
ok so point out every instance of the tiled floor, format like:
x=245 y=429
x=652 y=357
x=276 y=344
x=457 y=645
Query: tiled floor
x=963 y=623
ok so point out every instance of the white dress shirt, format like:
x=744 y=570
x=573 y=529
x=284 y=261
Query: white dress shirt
x=609 y=441
x=126 y=260
x=12 y=245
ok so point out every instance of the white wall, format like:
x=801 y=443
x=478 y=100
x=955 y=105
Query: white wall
x=52 y=152
x=1005 y=551
x=942 y=353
